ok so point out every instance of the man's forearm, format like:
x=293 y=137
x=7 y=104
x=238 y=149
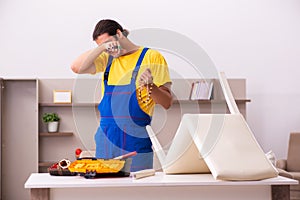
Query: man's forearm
x=162 y=95
x=88 y=63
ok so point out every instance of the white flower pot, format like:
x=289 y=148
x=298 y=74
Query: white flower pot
x=53 y=127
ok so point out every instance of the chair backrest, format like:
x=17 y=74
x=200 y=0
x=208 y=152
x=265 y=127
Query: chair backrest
x=293 y=158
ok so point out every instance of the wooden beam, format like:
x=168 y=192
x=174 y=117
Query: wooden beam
x=40 y=193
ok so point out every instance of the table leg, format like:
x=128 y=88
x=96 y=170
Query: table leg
x=280 y=192
x=40 y=193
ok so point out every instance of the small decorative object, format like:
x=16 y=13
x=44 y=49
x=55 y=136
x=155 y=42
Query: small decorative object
x=52 y=119
x=62 y=96
x=77 y=153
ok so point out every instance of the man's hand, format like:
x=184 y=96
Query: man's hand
x=146 y=78
x=113 y=48
x=160 y=95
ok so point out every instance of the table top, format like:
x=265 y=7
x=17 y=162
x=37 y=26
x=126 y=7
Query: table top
x=45 y=180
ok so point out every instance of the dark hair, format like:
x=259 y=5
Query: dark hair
x=106 y=26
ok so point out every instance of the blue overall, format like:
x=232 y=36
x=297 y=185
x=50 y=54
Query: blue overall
x=122 y=122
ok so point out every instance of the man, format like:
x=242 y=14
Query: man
x=134 y=80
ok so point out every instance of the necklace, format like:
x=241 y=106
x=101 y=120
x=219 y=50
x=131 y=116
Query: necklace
x=149 y=88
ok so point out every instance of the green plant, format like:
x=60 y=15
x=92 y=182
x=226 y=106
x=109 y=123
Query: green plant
x=50 y=117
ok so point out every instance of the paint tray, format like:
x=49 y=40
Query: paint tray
x=97 y=168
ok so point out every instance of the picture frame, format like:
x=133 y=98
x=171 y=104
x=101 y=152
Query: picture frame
x=62 y=96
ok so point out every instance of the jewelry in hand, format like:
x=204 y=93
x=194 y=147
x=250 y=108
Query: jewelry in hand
x=149 y=88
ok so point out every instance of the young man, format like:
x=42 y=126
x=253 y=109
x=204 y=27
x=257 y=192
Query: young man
x=134 y=80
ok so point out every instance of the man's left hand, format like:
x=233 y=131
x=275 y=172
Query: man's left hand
x=146 y=78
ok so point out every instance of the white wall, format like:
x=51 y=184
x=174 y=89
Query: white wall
x=257 y=40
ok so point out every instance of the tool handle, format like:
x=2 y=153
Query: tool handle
x=126 y=155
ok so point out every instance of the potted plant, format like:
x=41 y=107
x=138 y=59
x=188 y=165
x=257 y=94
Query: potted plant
x=52 y=120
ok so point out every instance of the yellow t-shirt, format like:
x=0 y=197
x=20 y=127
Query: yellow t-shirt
x=122 y=67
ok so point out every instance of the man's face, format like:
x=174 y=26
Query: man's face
x=111 y=43
x=104 y=38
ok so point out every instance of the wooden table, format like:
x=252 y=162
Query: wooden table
x=163 y=187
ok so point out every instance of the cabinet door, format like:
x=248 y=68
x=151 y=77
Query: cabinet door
x=19 y=137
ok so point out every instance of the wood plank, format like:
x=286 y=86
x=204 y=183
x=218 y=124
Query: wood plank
x=46 y=164
x=56 y=134
x=280 y=192
x=238 y=101
x=40 y=193
x=49 y=104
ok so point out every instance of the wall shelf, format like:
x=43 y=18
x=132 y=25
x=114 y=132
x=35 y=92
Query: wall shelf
x=46 y=104
x=238 y=101
x=56 y=134
x=46 y=164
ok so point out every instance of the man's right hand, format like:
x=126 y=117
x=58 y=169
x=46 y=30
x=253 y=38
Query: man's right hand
x=113 y=48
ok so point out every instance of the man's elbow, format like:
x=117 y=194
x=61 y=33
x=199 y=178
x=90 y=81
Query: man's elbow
x=79 y=69
x=169 y=104
x=75 y=69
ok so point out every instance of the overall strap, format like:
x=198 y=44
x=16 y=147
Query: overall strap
x=106 y=73
x=135 y=71
x=138 y=64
